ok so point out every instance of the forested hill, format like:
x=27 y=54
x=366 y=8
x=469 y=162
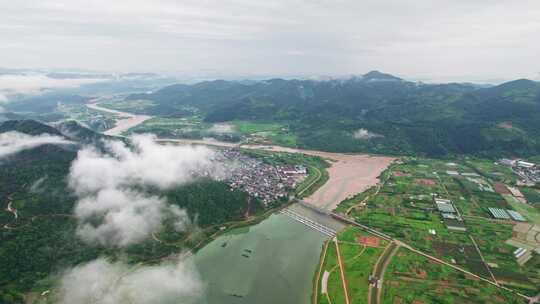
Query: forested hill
x=399 y=116
x=42 y=239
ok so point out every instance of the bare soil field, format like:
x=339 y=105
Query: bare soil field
x=371 y=241
x=348 y=175
x=501 y=188
x=426 y=182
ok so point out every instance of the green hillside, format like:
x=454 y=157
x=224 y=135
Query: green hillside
x=404 y=117
x=42 y=240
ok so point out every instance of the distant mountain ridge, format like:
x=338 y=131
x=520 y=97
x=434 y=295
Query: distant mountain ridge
x=412 y=117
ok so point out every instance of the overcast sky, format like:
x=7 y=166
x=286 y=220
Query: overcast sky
x=421 y=39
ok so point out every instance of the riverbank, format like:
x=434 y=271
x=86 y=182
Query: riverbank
x=348 y=174
x=125 y=120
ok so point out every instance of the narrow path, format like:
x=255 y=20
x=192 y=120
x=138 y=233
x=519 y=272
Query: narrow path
x=342 y=268
x=319 y=175
x=375 y=273
x=364 y=200
x=316 y=287
x=435 y=259
x=483 y=260
x=383 y=271
x=461 y=269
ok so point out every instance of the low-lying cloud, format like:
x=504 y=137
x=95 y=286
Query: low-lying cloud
x=102 y=282
x=126 y=217
x=110 y=188
x=147 y=163
x=13 y=142
x=365 y=134
x=37 y=83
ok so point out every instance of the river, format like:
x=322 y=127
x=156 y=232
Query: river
x=125 y=120
x=275 y=260
x=348 y=174
x=272 y=262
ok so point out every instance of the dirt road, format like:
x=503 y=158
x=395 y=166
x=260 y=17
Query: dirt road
x=342 y=271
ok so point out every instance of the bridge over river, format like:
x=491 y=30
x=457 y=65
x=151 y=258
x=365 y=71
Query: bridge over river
x=315 y=218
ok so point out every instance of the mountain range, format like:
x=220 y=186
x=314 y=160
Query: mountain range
x=404 y=117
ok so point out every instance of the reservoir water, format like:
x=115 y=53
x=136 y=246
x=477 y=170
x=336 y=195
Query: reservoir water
x=271 y=262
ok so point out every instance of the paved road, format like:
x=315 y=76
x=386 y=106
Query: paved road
x=342 y=271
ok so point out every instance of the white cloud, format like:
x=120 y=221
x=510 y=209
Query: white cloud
x=13 y=142
x=126 y=217
x=420 y=38
x=106 y=185
x=147 y=163
x=37 y=83
x=102 y=282
x=365 y=134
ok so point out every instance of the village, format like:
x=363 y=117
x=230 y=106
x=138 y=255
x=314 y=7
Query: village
x=261 y=180
x=527 y=171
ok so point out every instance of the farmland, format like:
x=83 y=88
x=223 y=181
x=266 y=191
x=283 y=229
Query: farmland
x=358 y=259
x=402 y=206
x=411 y=278
x=262 y=132
x=131 y=106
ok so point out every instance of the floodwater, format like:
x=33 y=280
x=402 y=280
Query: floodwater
x=271 y=262
x=348 y=174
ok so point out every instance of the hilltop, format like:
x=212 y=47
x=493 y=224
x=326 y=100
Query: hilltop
x=407 y=117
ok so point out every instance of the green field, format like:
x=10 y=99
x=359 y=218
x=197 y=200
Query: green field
x=411 y=278
x=269 y=131
x=250 y=127
x=404 y=209
x=532 y=195
x=528 y=211
x=131 y=106
x=358 y=261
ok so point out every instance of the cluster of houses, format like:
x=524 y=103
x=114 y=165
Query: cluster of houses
x=527 y=171
x=264 y=181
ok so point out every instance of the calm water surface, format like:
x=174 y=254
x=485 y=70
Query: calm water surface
x=272 y=262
